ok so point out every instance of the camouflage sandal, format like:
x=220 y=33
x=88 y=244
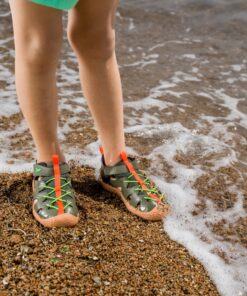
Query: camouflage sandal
x=138 y=192
x=53 y=196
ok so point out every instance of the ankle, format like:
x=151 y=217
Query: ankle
x=48 y=158
x=112 y=156
x=111 y=160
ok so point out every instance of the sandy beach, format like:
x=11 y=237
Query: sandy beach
x=183 y=67
x=110 y=251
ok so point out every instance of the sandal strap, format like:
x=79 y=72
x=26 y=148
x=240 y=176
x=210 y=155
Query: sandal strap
x=119 y=169
x=47 y=171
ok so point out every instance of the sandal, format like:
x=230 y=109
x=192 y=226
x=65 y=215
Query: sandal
x=137 y=191
x=53 y=196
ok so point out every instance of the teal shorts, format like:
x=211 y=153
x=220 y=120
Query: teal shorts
x=59 y=4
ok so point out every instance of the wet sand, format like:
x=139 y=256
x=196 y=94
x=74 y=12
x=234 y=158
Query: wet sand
x=110 y=251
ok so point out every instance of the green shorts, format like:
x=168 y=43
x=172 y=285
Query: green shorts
x=59 y=4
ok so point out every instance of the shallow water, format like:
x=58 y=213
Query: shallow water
x=183 y=67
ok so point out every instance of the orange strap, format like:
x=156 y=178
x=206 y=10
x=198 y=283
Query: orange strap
x=124 y=157
x=57 y=175
x=101 y=150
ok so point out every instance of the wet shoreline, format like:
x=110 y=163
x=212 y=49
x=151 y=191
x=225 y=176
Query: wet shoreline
x=185 y=103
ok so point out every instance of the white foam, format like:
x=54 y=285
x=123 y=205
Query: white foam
x=145 y=61
x=189 y=56
x=237 y=67
x=169 y=42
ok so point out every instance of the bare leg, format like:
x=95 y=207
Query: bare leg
x=38 y=38
x=92 y=36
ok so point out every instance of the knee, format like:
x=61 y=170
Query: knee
x=94 y=43
x=38 y=53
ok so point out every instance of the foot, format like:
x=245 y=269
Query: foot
x=53 y=196
x=138 y=192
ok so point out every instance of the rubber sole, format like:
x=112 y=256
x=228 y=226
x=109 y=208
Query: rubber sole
x=62 y=220
x=156 y=214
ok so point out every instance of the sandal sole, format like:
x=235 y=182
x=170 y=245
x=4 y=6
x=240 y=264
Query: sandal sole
x=157 y=214
x=63 y=220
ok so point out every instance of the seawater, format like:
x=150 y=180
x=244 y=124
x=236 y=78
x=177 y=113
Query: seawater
x=183 y=65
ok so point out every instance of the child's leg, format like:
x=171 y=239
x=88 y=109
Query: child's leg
x=38 y=37
x=92 y=35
